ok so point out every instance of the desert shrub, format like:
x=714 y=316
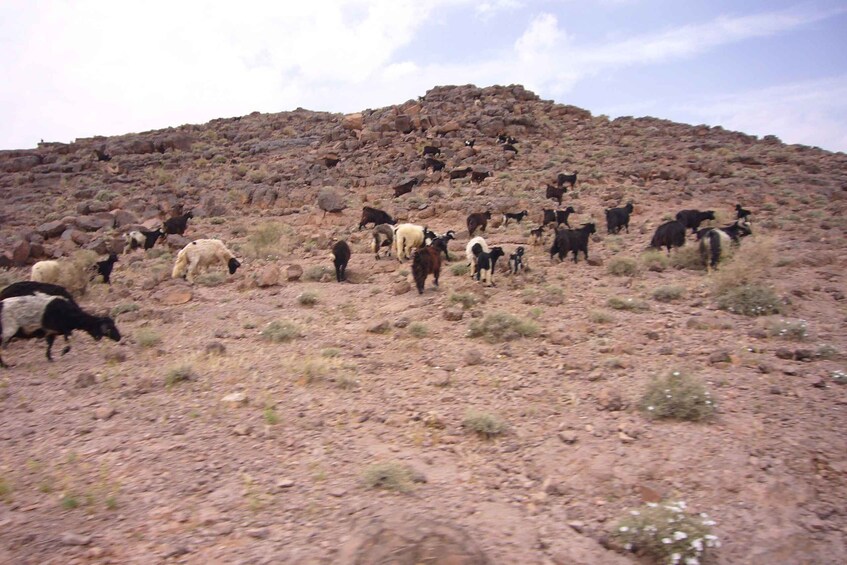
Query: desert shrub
x=677 y=396
x=795 y=330
x=389 y=476
x=484 y=423
x=330 y=352
x=654 y=261
x=622 y=266
x=119 y=309
x=307 y=298
x=750 y=264
x=5 y=490
x=750 y=300
x=280 y=331
x=666 y=533
x=632 y=304
x=500 y=326
x=600 y=317
x=417 y=329
x=529 y=295
x=460 y=269
x=178 y=374
x=263 y=241
x=317 y=272
x=466 y=299
x=210 y=278
x=309 y=369
x=552 y=296
x=839 y=376
x=826 y=351
x=687 y=257
x=147 y=337
x=270 y=415
x=668 y=293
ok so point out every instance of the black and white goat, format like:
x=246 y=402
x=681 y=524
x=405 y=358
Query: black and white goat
x=440 y=242
x=383 y=236
x=741 y=213
x=562 y=178
x=43 y=315
x=516 y=261
x=514 y=216
x=716 y=244
x=485 y=263
x=142 y=238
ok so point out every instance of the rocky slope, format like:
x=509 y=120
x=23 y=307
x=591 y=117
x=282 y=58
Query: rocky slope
x=196 y=439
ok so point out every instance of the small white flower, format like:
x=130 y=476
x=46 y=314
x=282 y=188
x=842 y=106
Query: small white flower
x=651 y=408
x=652 y=504
x=675 y=557
x=697 y=544
x=709 y=522
x=692 y=561
x=623 y=529
x=676 y=373
x=667 y=541
x=679 y=535
x=635 y=512
x=627 y=546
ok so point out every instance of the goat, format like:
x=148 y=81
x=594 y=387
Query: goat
x=514 y=216
x=383 y=236
x=102 y=155
x=562 y=178
x=516 y=261
x=479 y=176
x=45 y=315
x=408 y=237
x=433 y=164
x=427 y=261
x=506 y=139
x=555 y=192
x=460 y=173
x=142 y=238
x=478 y=220
x=572 y=240
x=201 y=254
x=430 y=150
x=441 y=242
x=104 y=268
x=375 y=216
x=177 y=224
x=548 y=218
x=485 y=263
x=693 y=218
x=340 y=257
x=477 y=242
x=469 y=142
x=716 y=243
x=405 y=187
x=30 y=288
x=741 y=213
x=562 y=216
x=617 y=218
x=537 y=235
x=670 y=234
x=510 y=147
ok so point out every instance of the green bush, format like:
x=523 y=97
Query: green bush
x=500 y=326
x=632 y=304
x=466 y=299
x=750 y=300
x=147 y=337
x=211 y=278
x=668 y=293
x=178 y=374
x=417 y=329
x=307 y=298
x=316 y=273
x=796 y=330
x=280 y=331
x=483 y=423
x=389 y=476
x=656 y=261
x=460 y=269
x=687 y=257
x=622 y=267
x=677 y=396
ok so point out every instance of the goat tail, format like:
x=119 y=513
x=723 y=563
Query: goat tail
x=181 y=265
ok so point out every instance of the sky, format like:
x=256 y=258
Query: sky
x=79 y=68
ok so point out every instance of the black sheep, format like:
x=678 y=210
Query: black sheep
x=340 y=258
x=42 y=315
x=555 y=193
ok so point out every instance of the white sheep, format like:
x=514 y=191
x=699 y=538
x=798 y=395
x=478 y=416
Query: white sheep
x=202 y=254
x=470 y=254
x=408 y=237
x=71 y=274
x=46 y=272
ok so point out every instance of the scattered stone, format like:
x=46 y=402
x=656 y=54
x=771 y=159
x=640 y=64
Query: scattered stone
x=242 y=429
x=337 y=492
x=235 y=398
x=70 y=538
x=284 y=483
x=268 y=276
x=610 y=400
x=215 y=348
x=804 y=355
x=568 y=436
x=473 y=356
x=104 y=413
x=84 y=380
x=648 y=493
x=402 y=322
x=115 y=356
x=784 y=353
x=174 y=551
x=175 y=297
x=401 y=287
x=293 y=273
x=380 y=328
x=453 y=314
x=719 y=357
x=259 y=533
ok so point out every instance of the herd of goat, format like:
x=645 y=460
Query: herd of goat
x=41 y=308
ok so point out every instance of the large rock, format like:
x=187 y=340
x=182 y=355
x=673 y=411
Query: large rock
x=268 y=276
x=403 y=123
x=20 y=253
x=51 y=229
x=124 y=218
x=293 y=272
x=353 y=121
x=94 y=223
x=331 y=201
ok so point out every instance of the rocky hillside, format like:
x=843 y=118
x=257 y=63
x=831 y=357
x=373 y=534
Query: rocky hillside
x=276 y=416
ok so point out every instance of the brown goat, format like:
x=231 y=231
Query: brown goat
x=427 y=261
x=478 y=220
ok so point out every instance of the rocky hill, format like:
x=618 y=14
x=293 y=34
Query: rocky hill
x=276 y=416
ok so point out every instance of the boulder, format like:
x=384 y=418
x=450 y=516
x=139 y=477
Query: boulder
x=353 y=121
x=21 y=253
x=51 y=229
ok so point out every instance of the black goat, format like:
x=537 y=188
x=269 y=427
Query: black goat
x=562 y=216
x=572 y=240
x=434 y=164
x=516 y=261
x=479 y=176
x=104 y=268
x=670 y=234
x=42 y=315
x=177 y=224
x=555 y=193
x=441 y=242
x=693 y=218
x=618 y=218
x=478 y=220
x=340 y=258
x=431 y=150
x=102 y=155
x=485 y=263
x=514 y=216
x=427 y=261
x=537 y=235
x=562 y=178
x=507 y=139
x=405 y=187
x=460 y=173
x=510 y=147
x=375 y=216
x=548 y=218
x=741 y=213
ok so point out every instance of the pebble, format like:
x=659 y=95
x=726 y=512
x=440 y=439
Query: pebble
x=70 y=538
x=104 y=413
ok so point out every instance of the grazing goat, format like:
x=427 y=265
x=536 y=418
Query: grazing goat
x=507 y=139
x=30 y=288
x=562 y=178
x=693 y=218
x=485 y=263
x=555 y=193
x=104 y=268
x=572 y=240
x=716 y=243
x=562 y=216
x=477 y=242
x=548 y=218
x=460 y=173
x=510 y=147
x=469 y=142
x=142 y=238
x=516 y=261
x=741 y=213
x=405 y=187
x=434 y=164
x=177 y=224
x=537 y=235
x=44 y=315
x=617 y=218
x=670 y=234
x=479 y=176
x=375 y=216
x=478 y=220
x=514 y=216
x=383 y=236
x=427 y=261
x=201 y=254
x=441 y=242
x=340 y=257
x=408 y=237
x=430 y=150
